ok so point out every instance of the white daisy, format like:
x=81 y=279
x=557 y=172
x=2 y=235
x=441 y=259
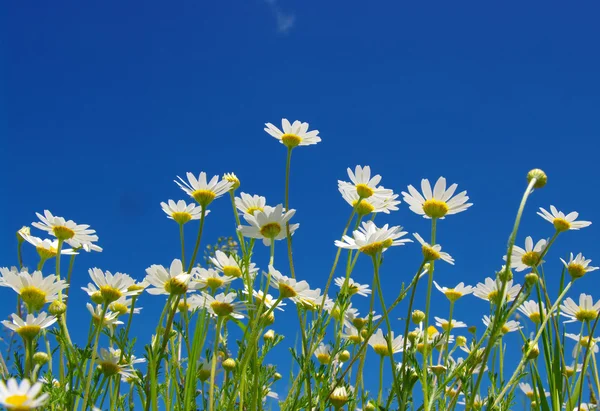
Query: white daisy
x=233 y=179
x=363 y=185
x=586 y=311
x=383 y=203
x=229 y=265
x=110 y=317
x=578 y=266
x=352 y=334
x=89 y=247
x=334 y=309
x=31 y=326
x=171 y=281
x=112 y=287
x=323 y=353
x=436 y=204
x=210 y=278
x=47 y=248
x=21 y=396
x=221 y=305
x=583 y=342
x=508 y=327
x=446 y=326
x=528 y=391
x=110 y=363
x=351 y=317
x=201 y=190
x=531 y=256
x=249 y=204
x=340 y=396
x=269 y=224
x=73 y=234
x=379 y=342
x=585 y=407
x=182 y=212
x=561 y=221
x=531 y=309
x=433 y=252
x=353 y=287
x=35 y=289
x=122 y=306
x=295 y=134
x=288 y=287
x=490 y=290
x=370 y=239
x=455 y=293
x=267 y=300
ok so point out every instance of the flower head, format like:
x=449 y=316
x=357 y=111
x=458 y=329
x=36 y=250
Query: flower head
x=203 y=191
x=531 y=256
x=447 y=326
x=381 y=203
x=379 y=342
x=68 y=231
x=112 y=287
x=229 y=266
x=221 y=305
x=110 y=317
x=508 y=327
x=437 y=203
x=532 y=310
x=323 y=353
x=110 y=363
x=586 y=311
x=297 y=291
x=370 y=239
x=233 y=179
x=433 y=252
x=21 y=396
x=363 y=186
x=250 y=204
x=47 y=248
x=268 y=225
x=353 y=287
x=209 y=277
x=489 y=290
x=171 y=281
x=182 y=212
x=561 y=221
x=293 y=135
x=35 y=289
x=578 y=266
x=455 y=293
x=32 y=325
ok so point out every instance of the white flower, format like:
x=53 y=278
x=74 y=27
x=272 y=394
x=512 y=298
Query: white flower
x=433 y=252
x=586 y=311
x=288 y=287
x=531 y=309
x=35 y=289
x=73 y=234
x=353 y=287
x=578 y=266
x=171 y=281
x=583 y=341
x=110 y=363
x=352 y=334
x=383 y=203
x=295 y=134
x=268 y=301
x=323 y=353
x=201 y=190
x=269 y=224
x=585 y=407
x=446 y=326
x=221 y=305
x=182 y=212
x=370 y=239
x=379 y=342
x=531 y=256
x=455 y=293
x=229 y=266
x=508 y=327
x=249 y=204
x=561 y=221
x=490 y=290
x=21 y=397
x=528 y=391
x=110 y=318
x=363 y=185
x=351 y=317
x=122 y=306
x=31 y=326
x=210 y=278
x=112 y=287
x=47 y=248
x=340 y=396
x=436 y=204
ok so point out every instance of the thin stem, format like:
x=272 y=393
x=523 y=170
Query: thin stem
x=213 y=367
x=94 y=354
x=182 y=240
x=198 y=238
x=426 y=324
x=380 y=379
x=287 y=208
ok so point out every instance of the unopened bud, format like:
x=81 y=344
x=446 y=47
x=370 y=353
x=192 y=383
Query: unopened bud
x=418 y=316
x=276 y=376
x=532 y=350
x=531 y=279
x=370 y=406
x=540 y=178
x=461 y=341
x=344 y=356
x=57 y=308
x=229 y=364
x=40 y=358
x=269 y=335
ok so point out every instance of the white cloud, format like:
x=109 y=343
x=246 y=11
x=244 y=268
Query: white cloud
x=285 y=21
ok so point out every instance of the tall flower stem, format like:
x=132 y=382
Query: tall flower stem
x=237 y=222
x=287 y=207
x=426 y=324
x=380 y=380
x=93 y=361
x=198 y=238
x=182 y=240
x=213 y=367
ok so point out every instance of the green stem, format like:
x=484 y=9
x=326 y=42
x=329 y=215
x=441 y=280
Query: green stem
x=198 y=238
x=380 y=380
x=213 y=367
x=94 y=354
x=287 y=208
x=426 y=324
x=182 y=239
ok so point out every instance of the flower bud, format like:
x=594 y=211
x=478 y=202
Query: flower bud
x=472 y=329
x=531 y=279
x=370 y=406
x=232 y=178
x=418 y=316
x=540 y=178
x=505 y=274
x=269 y=335
x=461 y=341
x=533 y=350
x=40 y=358
x=269 y=319
x=344 y=356
x=229 y=364
x=23 y=231
x=339 y=397
x=57 y=308
x=97 y=298
x=412 y=336
x=276 y=376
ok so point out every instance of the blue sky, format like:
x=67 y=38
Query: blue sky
x=103 y=104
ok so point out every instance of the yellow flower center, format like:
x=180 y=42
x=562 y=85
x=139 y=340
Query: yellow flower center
x=432 y=331
x=29 y=332
x=119 y=308
x=175 y=286
x=291 y=140
x=323 y=358
x=46 y=253
x=505 y=329
x=576 y=270
x=214 y=282
x=352 y=289
x=530 y=395
x=586 y=342
x=97 y=297
x=135 y=287
x=364 y=191
x=373 y=248
x=63 y=233
x=232 y=178
x=535 y=317
x=183 y=306
x=33 y=297
x=109 y=368
x=430 y=253
x=355 y=339
x=287 y=291
x=363 y=207
x=16 y=401
x=232 y=271
x=181 y=217
x=359 y=323
x=381 y=349
x=531 y=258
x=204 y=197
x=561 y=224
x=221 y=309
x=308 y=304
x=586 y=315
x=452 y=294
x=110 y=294
x=435 y=208
x=270 y=230
x=252 y=210
x=447 y=326
x=494 y=296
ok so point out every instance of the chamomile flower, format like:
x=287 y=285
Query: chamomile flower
x=182 y=212
x=250 y=204
x=370 y=239
x=436 y=204
x=531 y=309
x=353 y=287
x=293 y=135
x=68 y=231
x=433 y=252
x=221 y=305
x=334 y=309
x=528 y=391
x=110 y=318
x=363 y=185
x=578 y=266
x=35 y=289
x=351 y=317
x=122 y=306
x=210 y=278
x=110 y=363
x=561 y=221
x=585 y=407
x=267 y=300
x=352 y=334
x=288 y=287
x=310 y=300
x=508 y=327
x=112 y=287
x=31 y=326
x=531 y=256
x=47 y=248
x=586 y=311
x=583 y=342
x=323 y=353
x=455 y=293
x=383 y=203
x=379 y=343
x=269 y=224
x=446 y=325
x=489 y=290
x=21 y=396
x=233 y=179
x=229 y=266
x=171 y=281
x=340 y=396
x=201 y=190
